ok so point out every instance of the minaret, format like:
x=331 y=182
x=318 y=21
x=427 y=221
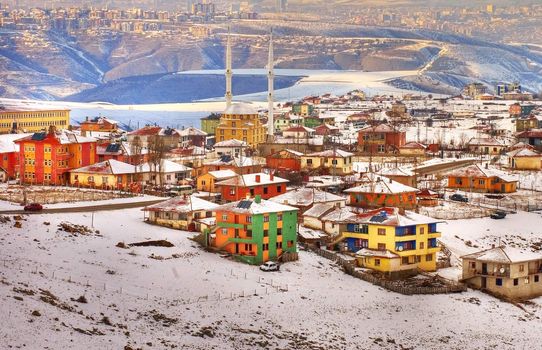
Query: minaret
x=228 y=71
x=270 y=79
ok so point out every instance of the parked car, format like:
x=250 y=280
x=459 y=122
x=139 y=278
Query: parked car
x=270 y=266
x=33 y=207
x=498 y=214
x=458 y=198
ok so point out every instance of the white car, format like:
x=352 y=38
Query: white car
x=270 y=266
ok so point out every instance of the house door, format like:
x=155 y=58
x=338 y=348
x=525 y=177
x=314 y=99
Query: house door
x=484 y=283
x=503 y=188
x=484 y=269
x=236 y=248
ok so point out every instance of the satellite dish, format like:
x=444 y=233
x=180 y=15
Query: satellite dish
x=502 y=270
x=400 y=248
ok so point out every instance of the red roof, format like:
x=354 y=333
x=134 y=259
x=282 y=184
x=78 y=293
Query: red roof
x=147 y=130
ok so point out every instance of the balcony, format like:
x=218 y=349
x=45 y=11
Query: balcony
x=479 y=272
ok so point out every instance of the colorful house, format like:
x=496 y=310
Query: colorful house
x=241 y=186
x=485 y=146
x=254 y=230
x=382 y=138
x=206 y=182
x=47 y=157
x=209 y=123
x=9 y=156
x=98 y=126
x=327 y=130
x=413 y=149
x=242 y=122
x=284 y=160
x=188 y=213
x=109 y=174
x=392 y=243
x=476 y=178
x=121 y=151
x=337 y=162
x=504 y=271
x=524 y=158
x=149 y=135
x=32 y=120
x=376 y=191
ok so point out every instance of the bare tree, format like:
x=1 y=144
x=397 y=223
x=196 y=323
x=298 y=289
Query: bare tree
x=157 y=149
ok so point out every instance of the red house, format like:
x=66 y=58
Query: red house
x=9 y=156
x=382 y=138
x=122 y=152
x=239 y=187
x=285 y=160
x=47 y=157
x=327 y=130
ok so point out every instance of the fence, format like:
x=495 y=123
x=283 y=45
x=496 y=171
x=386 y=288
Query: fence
x=394 y=286
x=264 y=286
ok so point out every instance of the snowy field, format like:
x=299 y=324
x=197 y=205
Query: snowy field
x=186 y=298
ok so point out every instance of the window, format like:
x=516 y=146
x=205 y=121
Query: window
x=516 y=281
x=381 y=148
x=381 y=231
x=265 y=190
x=248 y=247
x=521 y=268
x=224 y=231
x=224 y=217
x=249 y=233
x=429 y=257
x=265 y=233
x=404 y=260
x=265 y=247
x=422 y=245
x=279 y=189
x=481 y=182
x=290 y=244
x=119 y=179
x=472 y=265
x=266 y=218
x=232 y=191
x=309 y=161
x=498 y=282
x=279 y=217
x=536 y=278
x=381 y=246
x=105 y=179
x=422 y=230
x=334 y=162
x=249 y=219
x=377 y=262
x=279 y=232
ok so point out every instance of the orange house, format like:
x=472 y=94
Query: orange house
x=287 y=159
x=47 y=157
x=378 y=191
x=475 y=178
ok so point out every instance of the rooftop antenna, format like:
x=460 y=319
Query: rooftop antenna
x=270 y=88
x=228 y=71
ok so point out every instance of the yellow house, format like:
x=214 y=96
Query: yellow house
x=206 y=182
x=241 y=122
x=110 y=174
x=337 y=161
x=392 y=243
x=524 y=159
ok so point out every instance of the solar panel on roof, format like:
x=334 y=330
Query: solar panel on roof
x=113 y=148
x=378 y=218
x=244 y=204
x=39 y=136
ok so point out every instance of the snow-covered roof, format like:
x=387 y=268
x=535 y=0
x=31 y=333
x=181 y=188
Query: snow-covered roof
x=476 y=170
x=339 y=215
x=235 y=161
x=391 y=217
x=182 y=204
x=381 y=128
x=191 y=131
x=251 y=206
x=504 y=255
x=413 y=145
x=338 y=153
x=373 y=183
x=299 y=128
x=396 y=171
x=324 y=181
x=7 y=144
x=318 y=210
x=222 y=174
x=256 y=179
x=241 y=109
x=231 y=143
x=306 y=196
x=308 y=233
x=111 y=166
x=165 y=166
x=377 y=253
x=484 y=141
x=523 y=152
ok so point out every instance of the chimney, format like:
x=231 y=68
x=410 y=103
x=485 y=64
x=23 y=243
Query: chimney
x=52 y=129
x=487 y=165
x=271 y=176
x=258 y=199
x=258 y=179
